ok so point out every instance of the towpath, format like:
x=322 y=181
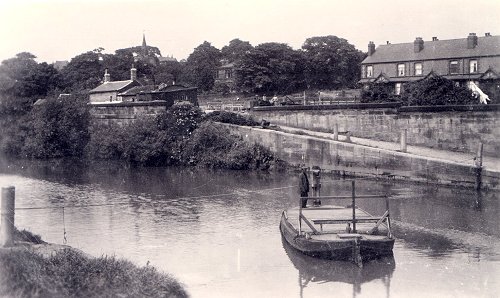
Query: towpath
x=489 y=163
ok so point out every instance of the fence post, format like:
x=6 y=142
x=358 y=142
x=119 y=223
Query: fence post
x=7 y=216
x=336 y=132
x=479 y=167
x=403 y=140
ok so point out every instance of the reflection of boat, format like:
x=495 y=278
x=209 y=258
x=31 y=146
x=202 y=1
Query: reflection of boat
x=320 y=270
x=337 y=232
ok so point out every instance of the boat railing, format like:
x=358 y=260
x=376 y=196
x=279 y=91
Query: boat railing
x=385 y=219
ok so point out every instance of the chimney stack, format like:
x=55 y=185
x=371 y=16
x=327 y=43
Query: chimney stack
x=107 y=77
x=487 y=34
x=434 y=38
x=471 y=41
x=133 y=73
x=418 y=44
x=371 y=48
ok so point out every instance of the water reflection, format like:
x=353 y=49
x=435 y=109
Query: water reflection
x=315 y=270
x=217 y=231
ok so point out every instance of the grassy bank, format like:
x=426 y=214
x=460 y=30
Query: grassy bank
x=25 y=272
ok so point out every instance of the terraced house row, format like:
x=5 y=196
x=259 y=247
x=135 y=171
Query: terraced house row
x=465 y=60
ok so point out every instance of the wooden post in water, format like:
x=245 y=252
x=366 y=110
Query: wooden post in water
x=7 y=216
x=353 y=208
x=403 y=140
x=336 y=132
x=479 y=166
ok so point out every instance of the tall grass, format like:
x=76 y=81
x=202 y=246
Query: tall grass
x=69 y=273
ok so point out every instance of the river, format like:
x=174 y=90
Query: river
x=217 y=232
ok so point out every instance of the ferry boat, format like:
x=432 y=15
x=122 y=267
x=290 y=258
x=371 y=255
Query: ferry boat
x=336 y=231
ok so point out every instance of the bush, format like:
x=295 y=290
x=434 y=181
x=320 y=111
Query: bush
x=57 y=128
x=149 y=141
x=436 y=91
x=231 y=118
x=378 y=93
x=214 y=147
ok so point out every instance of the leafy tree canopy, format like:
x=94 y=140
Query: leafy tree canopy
x=235 y=50
x=22 y=76
x=201 y=65
x=271 y=68
x=332 y=62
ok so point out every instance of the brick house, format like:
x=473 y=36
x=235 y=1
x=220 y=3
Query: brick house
x=169 y=93
x=471 y=59
x=225 y=74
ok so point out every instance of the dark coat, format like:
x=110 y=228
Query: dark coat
x=303 y=183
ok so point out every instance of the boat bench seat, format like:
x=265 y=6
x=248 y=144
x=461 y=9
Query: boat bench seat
x=345 y=220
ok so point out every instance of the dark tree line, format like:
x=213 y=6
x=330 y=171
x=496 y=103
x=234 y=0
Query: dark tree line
x=326 y=62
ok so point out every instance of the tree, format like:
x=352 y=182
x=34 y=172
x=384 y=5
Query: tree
x=169 y=72
x=22 y=76
x=332 y=62
x=201 y=65
x=83 y=72
x=235 y=50
x=58 y=128
x=270 y=68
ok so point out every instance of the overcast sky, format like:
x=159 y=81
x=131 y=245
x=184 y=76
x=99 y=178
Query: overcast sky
x=59 y=30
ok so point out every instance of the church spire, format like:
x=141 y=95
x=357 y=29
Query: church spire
x=144 y=40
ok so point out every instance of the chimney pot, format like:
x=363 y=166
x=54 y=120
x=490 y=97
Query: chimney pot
x=371 y=48
x=487 y=34
x=471 y=41
x=418 y=44
x=107 y=76
x=133 y=73
x=434 y=38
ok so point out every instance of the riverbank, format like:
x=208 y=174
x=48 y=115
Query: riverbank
x=369 y=158
x=34 y=268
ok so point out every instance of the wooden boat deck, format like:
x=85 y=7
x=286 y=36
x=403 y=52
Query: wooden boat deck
x=332 y=221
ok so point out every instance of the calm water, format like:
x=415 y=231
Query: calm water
x=217 y=231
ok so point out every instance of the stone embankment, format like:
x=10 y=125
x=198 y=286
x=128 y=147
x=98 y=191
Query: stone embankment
x=365 y=157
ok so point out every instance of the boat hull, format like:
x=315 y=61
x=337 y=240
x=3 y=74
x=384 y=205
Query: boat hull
x=339 y=249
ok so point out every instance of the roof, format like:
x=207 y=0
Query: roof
x=227 y=65
x=439 y=49
x=174 y=88
x=112 y=86
x=153 y=89
x=138 y=89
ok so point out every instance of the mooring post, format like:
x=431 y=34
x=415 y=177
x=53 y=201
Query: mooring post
x=336 y=132
x=403 y=140
x=479 y=166
x=7 y=216
x=353 y=207
x=348 y=137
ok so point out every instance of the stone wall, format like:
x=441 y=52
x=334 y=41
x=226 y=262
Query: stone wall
x=352 y=159
x=456 y=128
x=125 y=112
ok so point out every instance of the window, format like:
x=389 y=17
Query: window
x=401 y=70
x=228 y=73
x=369 y=71
x=418 y=69
x=454 y=67
x=397 y=89
x=473 y=66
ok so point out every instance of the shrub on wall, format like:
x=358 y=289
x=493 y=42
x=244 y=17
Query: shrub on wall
x=436 y=91
x=378 y=92
x=231 y=118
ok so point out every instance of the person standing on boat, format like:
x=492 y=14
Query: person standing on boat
x=303 y=186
